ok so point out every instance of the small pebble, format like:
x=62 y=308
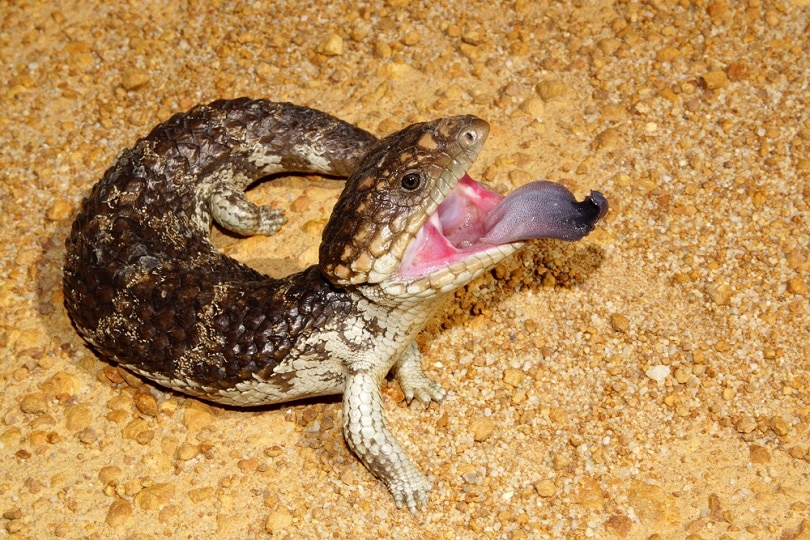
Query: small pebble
x=134 y=428
x=63 y=384
x=145 y=402
x=557 y=415
x=112 y=374
x=30 y=338
x=560 y=462
x=360 y=33
x=736 y=71
x=658 y=373
x=720 y=293
x=38 y=438
x=78 y=417
x=199 y=495
x=278 y=521
x=608 y=46
x=714 y=80
x=545 y=488
x=620 y=524
x=60 y=210
x=519 y=177
x=608 y=140
x=197 y=415
x=301 y=204
x=155 y=496
x=551 y=89
x=482 y=428
x=619 y=322
x=780 y=426
x=798 y=286
x=717 y=11
x=109 y=475
x=187 y=451
x=746 y=424
x=135 y=79
x=119 y=513
x=410 y=39
x=513 y=377
x=534 y=107
x=472 y=52
x=331 y=45
x=36 y=403
x=759 y=455
x=668 y=54
x=655 y=507
x=248 y=465
x=12 y=513
x=145 y=437
x=382 y=49
x=796 y=452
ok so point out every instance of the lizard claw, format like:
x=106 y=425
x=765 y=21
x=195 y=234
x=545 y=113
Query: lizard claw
x=413 y=381
x=422 y=388
x=411 y=492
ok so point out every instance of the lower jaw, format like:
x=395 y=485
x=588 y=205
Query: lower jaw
x=448 y=278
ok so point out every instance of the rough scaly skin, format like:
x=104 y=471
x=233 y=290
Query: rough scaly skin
x=145 y=287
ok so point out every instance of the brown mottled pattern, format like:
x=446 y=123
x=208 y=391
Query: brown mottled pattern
x=140 y=276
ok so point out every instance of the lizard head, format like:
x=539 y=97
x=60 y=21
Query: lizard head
x=412 y=221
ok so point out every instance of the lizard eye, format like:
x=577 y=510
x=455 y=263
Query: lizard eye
x=411 y=180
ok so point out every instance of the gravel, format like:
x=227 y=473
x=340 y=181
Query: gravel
x=651 y=379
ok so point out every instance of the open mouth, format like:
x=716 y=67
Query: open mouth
x=472 y=219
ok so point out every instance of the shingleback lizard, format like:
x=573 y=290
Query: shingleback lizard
x=146 y=288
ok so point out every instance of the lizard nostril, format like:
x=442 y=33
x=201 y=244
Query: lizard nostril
x=468 y=137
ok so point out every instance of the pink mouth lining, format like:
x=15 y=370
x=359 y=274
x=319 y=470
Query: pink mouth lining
x=472 y=219
x=454 y=230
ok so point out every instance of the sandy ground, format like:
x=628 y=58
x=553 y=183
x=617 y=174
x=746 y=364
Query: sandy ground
x=651 y=381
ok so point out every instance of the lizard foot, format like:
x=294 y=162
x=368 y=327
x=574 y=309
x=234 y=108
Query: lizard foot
x=411 y=491
x=270 y=220
x=415 y=384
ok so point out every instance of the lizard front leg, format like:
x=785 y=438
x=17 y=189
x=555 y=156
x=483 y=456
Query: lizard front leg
x=367 y=434
x=231 y=209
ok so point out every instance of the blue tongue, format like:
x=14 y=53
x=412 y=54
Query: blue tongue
x=543 y=209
